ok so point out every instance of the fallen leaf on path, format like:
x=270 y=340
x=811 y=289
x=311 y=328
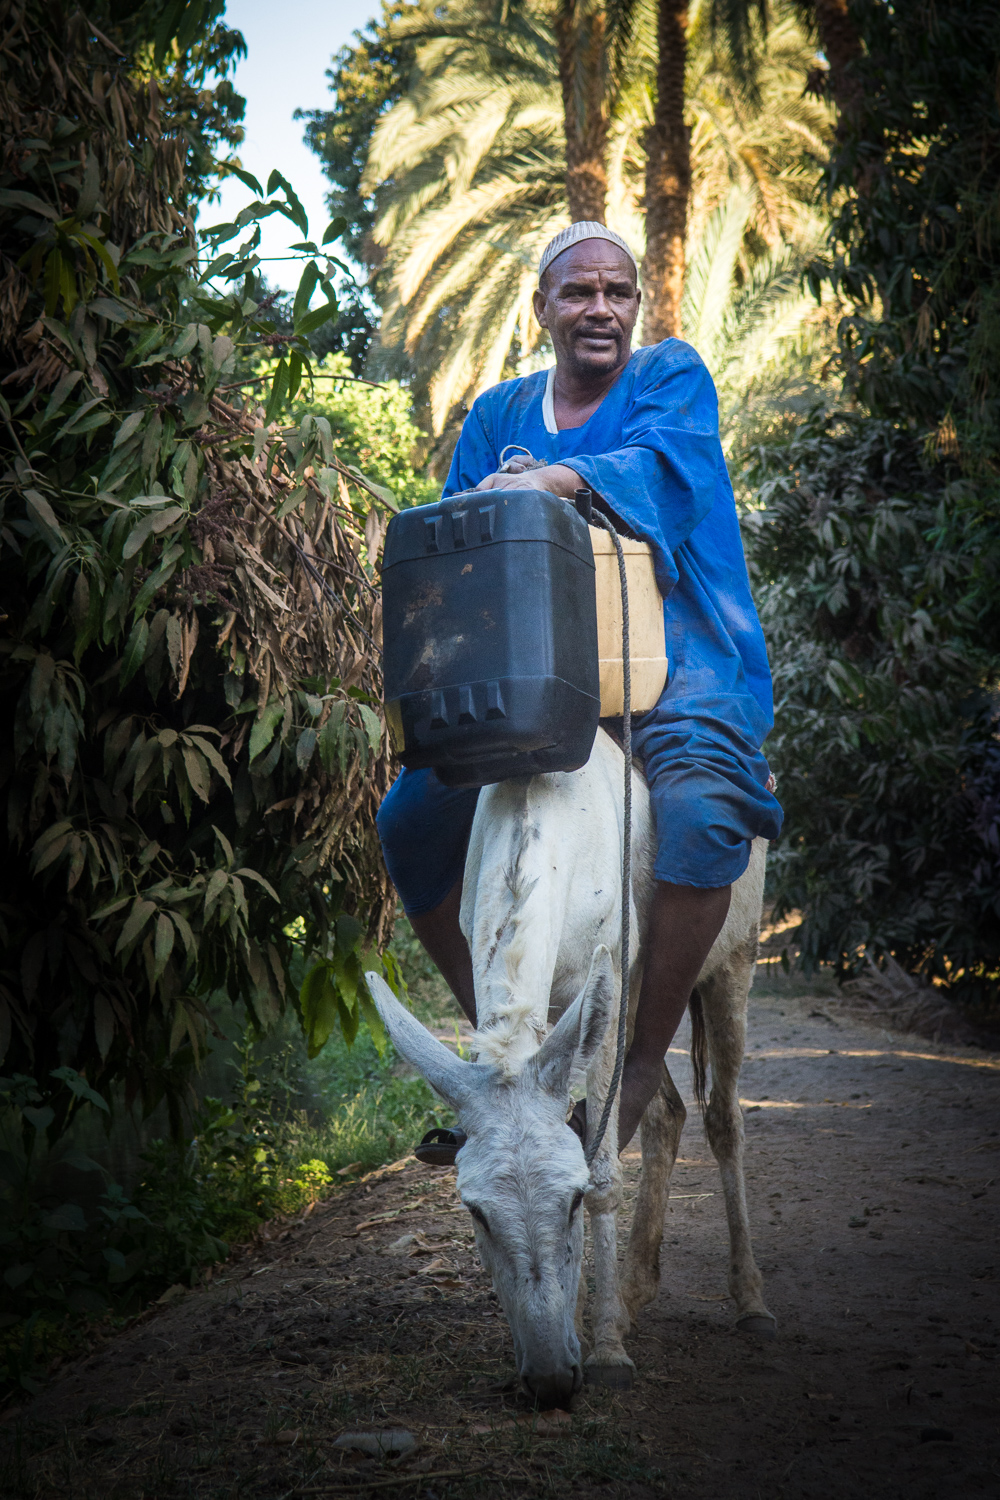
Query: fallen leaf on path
x=437 y=1267
x=373 y=1223
x=395 y=1166
x=287 y=1438
x=410 y=1244
x=172 y=1294
x=355 y=1166
x=392 y=1440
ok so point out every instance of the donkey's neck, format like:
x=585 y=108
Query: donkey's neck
x=513 y=918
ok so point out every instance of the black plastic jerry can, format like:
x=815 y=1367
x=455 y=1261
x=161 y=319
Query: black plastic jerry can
x=490 y=636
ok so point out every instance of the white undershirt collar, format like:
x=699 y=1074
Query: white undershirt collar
x=549 y=404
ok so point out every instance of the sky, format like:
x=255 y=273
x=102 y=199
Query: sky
x=289 y=47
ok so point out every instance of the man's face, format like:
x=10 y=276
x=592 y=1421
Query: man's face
x=589 y=302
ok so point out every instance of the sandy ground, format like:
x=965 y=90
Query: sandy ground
x=872 y=1167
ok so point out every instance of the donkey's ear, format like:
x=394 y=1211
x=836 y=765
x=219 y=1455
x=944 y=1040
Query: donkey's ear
x=580 y=1030
x=447 y=1074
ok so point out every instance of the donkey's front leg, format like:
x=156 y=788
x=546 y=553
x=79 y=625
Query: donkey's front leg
x=608 y=1364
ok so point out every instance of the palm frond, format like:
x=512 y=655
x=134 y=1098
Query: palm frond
x=467 y=173
x=710 y=272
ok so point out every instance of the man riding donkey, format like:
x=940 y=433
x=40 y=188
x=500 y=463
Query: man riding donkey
x=641 y=431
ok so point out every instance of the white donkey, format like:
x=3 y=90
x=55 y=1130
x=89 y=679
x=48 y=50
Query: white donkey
x=542 y=888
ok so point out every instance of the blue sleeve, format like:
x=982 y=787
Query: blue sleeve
x=663 y=478
x=474 y=456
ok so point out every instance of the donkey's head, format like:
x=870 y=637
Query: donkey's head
x=522 y=1173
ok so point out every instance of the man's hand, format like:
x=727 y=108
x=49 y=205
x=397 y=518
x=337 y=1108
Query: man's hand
x=520 y=464
x=557 y=479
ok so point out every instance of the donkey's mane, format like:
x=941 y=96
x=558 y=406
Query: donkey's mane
x=508 y=1038
x=513 y=1032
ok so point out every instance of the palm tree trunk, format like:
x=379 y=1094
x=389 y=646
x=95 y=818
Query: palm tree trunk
x=581 y=37
x=840 y=42
x=668 y=180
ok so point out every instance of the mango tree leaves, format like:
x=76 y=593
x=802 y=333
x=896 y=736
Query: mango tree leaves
x=263 y=730
x=79 y=1087
x=373 y=726
x=189 y=788
x=315 y=319
x=308 y=282
x=44 y=516
x=330 y=997
x=150 y=525
x=135 y=651
x=69 y=1216
x=334 y=991
x=247 y=178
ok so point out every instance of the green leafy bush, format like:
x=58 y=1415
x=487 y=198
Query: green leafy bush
x=877 y=547
x=189 y=682
x=885 y=744
x=78 y=1247
x=193 y=749
x=373 y=428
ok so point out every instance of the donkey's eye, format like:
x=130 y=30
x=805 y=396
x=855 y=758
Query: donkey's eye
x=479 y=1216
x=577 y=1200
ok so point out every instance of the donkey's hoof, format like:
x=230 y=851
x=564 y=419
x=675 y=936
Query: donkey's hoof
x=614 y=1377
x=763 y=1325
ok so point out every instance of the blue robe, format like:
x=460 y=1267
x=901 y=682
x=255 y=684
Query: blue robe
x=651 y=452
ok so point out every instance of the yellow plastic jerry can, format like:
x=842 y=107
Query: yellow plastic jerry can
x=647 y=643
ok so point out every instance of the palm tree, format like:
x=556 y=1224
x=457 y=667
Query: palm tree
x=760 y=131
x=841 y=44
x=761 y=335
x=668 y=178
x=582 y=40
x=468 y=172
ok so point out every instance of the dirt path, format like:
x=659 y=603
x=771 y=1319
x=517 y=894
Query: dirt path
x=872 y=1164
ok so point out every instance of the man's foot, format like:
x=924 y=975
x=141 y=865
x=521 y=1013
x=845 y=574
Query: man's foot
x=439 y=1147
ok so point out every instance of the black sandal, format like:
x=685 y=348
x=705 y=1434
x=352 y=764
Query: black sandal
x=440 y=1147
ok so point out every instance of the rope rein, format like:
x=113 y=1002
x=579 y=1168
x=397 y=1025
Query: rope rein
x=595 y=1145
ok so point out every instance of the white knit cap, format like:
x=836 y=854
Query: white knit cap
x=583 y=229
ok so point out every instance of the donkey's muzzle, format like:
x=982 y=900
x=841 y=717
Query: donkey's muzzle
x=553 y=1388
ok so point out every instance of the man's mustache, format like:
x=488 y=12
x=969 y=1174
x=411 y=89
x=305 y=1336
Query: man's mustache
x=589 y=330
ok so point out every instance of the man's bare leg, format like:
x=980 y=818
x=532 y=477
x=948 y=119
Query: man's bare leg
x=684 y=922
x=445 y=944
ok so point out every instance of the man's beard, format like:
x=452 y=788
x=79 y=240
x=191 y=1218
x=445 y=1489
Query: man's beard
x=596 y=361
